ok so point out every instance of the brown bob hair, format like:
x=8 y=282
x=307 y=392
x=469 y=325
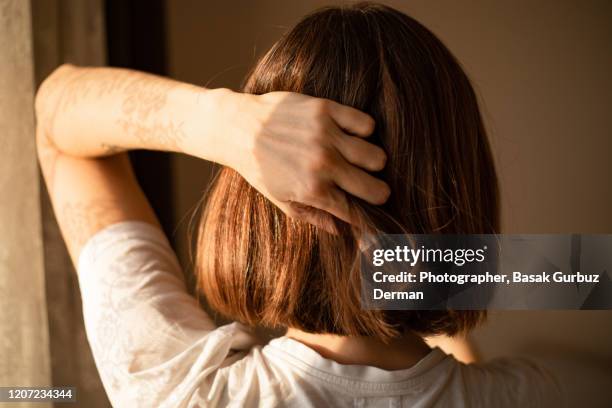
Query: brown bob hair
x=257 y=266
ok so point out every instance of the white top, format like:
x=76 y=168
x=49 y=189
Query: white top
x=155 y=347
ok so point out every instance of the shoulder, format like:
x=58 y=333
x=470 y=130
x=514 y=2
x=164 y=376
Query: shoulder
x=121 y=236
x=512 y=382
x=128 y=254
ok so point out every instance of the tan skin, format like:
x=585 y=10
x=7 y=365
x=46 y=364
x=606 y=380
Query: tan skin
x=316 y=151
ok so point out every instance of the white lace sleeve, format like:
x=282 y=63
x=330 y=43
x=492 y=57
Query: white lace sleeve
x=152 y=343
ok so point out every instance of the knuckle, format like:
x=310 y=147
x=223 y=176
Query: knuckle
x=320 y=107
x=318 y=131
x=315 y=189
x=321 y=159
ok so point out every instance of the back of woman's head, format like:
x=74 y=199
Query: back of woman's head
x=258 y=266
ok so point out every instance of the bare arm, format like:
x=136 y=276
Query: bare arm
x=92 y=112
x=293 y=148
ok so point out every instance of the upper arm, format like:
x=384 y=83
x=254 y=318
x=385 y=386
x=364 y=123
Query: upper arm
x=90 y=194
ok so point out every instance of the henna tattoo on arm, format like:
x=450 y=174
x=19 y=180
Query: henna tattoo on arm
x=89 y=194
x=141 y=118
x=81 y=220
x=144 y=118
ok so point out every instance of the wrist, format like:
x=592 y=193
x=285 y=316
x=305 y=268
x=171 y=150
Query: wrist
x=224 y=120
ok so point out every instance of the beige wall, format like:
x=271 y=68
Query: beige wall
x=67 y=31
x=542 y=71
x=24 y=336
x=42 y=337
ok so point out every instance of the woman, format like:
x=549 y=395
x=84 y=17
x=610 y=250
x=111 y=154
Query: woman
x=390 y=139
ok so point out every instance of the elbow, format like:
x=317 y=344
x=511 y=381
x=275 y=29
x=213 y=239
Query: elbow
x=45 y=101
x=47 y=94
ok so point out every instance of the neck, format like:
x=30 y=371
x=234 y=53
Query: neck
x=398 y=354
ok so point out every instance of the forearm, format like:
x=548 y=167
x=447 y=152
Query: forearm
x=91 y=112
x=298 y=151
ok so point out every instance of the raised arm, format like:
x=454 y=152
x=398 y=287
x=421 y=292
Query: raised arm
x=296 y=150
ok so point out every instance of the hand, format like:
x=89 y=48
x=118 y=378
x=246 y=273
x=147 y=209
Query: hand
x=303 y=153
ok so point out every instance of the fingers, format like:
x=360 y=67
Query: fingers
x=326 y=160
x=350 y=119
x=314 y=216
x=361 y=153
x=317 y=210
x=361 y=184
x=336 y=204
